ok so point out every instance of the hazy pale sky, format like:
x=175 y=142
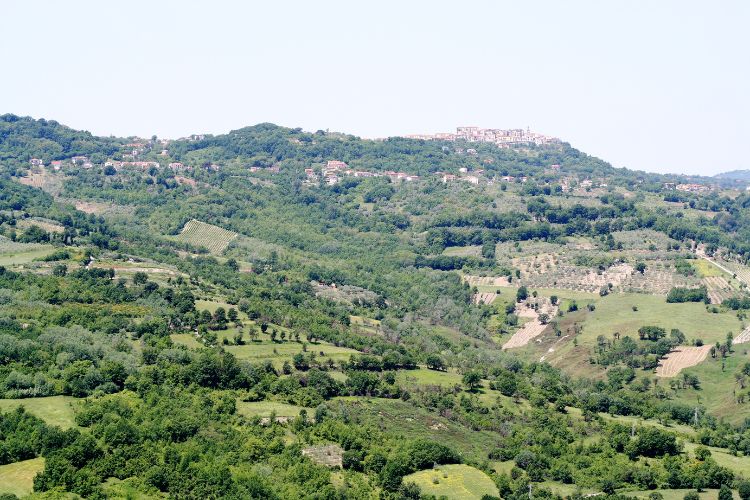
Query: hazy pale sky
x=653 y=85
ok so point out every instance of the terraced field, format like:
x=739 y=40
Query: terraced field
x=200 y=234
x=531 y=329
x=718 y=289
x=48 y=225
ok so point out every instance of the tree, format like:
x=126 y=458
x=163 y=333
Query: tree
x=220 y=318
x=435 y=362
x=232 y=314
x=725 y=493
x=640 y=267
x=522 y=294
x=472 y=379
x=743 y=488
x=544 y=318
x=140 y=278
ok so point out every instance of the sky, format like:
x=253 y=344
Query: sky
x=662 y=86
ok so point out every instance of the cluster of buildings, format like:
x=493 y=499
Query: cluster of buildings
x=504 y=138
x=686 y=187
x=335 y=169
x=692 y=188
x=145 y=165
x=57 y=165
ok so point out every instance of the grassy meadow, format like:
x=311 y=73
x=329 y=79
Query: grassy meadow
x=55 y=410
x=454 y=482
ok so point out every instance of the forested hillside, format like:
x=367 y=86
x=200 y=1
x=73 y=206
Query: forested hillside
x=273 y=313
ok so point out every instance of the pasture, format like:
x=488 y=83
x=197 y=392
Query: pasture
x=48 y=225
x=469 y=251
x=278 y=352
x=200 y=234
x=13 y=253
x=706 y=268
x=159 y=273
x=614 y=313
x=707 y=494
x=404 y=419
x=252 y=409
x=422 y=378
x=737 y=464
x=718 y=385
x=55 y=410
x=18 y=478
x=457 y=481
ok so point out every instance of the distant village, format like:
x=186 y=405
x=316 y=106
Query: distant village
x=500 y=137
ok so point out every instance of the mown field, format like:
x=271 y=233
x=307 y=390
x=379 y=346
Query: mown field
x=614 y=313
x=13 y=253
x=55 y=410
x=266 y=408
x=18 y=478
x=456 y=481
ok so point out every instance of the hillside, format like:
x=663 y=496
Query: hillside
x=742 y=175
x=275 y=313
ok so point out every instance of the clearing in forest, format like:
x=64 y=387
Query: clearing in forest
x=457 y=481
x=681 y=357
x=330 y=455
x=18 y=478
x=200 y=234
x=54 y=410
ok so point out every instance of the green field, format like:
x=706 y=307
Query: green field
x=614 y=313
x=470 y=251
x=676 y=494
x=425 y=377
x=737 y=464
x=55 y=410
x=186 y=339
x=408 y=421
x=22 y=253
x=212 y=305
x=18 y=478
x=454 y=481
x=265 y=349
x=706 y=268
x=265 y=408
x=510 y=291
x=717 y=387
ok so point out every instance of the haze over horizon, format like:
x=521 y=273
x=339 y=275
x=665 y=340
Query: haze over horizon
x=656 y=87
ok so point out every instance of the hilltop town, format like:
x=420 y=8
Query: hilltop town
x=503 y=138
